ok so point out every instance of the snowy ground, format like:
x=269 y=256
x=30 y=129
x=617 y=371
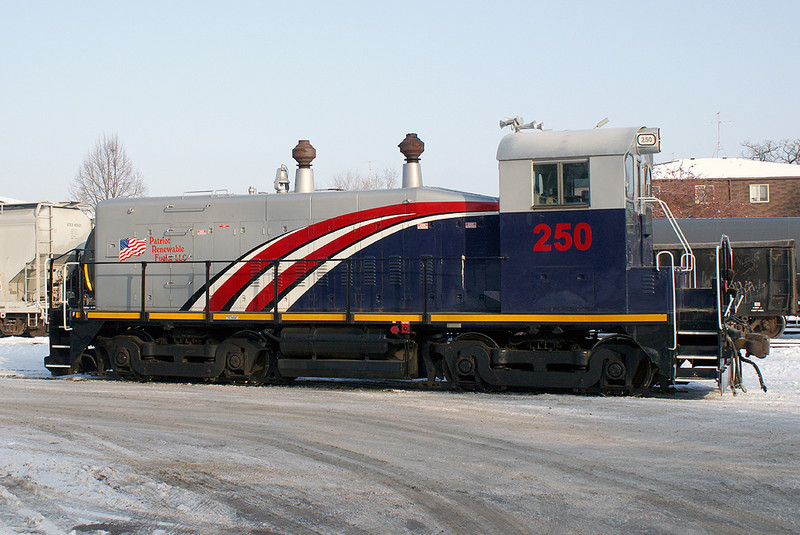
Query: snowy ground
x=86 y=455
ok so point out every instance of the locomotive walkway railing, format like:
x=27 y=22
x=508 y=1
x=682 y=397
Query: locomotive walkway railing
x=282 y=279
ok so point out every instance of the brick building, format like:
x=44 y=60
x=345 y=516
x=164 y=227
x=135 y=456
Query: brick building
x=728 y=187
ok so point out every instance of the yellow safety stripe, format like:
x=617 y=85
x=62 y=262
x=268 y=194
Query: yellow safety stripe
x=113 y=315
x=388 y=317
x=549 y=318
x=298 y=316
x=243 y=316
x=177 y=315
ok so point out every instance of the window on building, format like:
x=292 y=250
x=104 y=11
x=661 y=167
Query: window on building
x=703 y=194
x=759 y=192
x=561 y=183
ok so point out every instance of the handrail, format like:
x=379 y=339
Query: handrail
x=204 y=192
x=274 y=265
x=687 y=258
x=62 y=300
x=674 y=297
x=718 y=250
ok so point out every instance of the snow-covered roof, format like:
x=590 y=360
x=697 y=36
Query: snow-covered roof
x=724 y=168
x=9 y=200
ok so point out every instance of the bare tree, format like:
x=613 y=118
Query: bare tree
x=784 y=151
x=106 y=173
x=688 y=195
x=353 y=180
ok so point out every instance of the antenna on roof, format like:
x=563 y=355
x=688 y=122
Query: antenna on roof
x=719 y=150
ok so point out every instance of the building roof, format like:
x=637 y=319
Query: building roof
x=724 y=168
x=9 y=200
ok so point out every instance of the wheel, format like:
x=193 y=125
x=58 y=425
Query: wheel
x=626 y=369
x=12 y=325
x=462 y=365
x=477 y=337
x=91 y=362
x=245 y=356
x=124 y=352
x=772 y=326
x=39 y=330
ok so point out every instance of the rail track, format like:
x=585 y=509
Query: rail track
x=784 y=342
x=792 y=325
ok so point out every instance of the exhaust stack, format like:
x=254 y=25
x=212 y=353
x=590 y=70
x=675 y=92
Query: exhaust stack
x=412 y=147
x=304 y=153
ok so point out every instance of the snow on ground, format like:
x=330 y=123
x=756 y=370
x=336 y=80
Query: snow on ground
x=179 y=459
x=23 y=357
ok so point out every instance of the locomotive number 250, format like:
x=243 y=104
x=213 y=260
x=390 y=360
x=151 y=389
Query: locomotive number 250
x=563 y=237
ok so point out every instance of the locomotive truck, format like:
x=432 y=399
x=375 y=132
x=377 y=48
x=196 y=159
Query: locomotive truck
x=550 y=286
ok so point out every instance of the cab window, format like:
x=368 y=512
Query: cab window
x=561 y=183
x=576 y=182
x=545 y=185
x=630 y=177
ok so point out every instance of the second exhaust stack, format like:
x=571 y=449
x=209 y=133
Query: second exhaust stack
x=412 y=147
x=304 y=153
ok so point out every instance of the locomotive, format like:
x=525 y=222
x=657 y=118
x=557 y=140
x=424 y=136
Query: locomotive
x=553 y=285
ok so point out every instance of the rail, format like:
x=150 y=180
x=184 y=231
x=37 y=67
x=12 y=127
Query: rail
x=728 y=253
x=62 y=300
x=283 y=277
x=674 y=297
x=687 y=258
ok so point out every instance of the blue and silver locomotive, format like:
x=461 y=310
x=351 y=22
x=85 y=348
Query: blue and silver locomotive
x=551 y=286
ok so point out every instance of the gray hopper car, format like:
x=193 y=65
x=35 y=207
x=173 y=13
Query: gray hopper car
x=31 y=234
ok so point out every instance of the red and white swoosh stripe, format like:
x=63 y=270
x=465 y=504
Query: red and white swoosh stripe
x=289 y=298
x=247 y=284
x=260 y=289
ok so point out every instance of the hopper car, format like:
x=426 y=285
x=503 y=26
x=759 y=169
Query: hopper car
x=553 y=285
x=765 y=280
x=31 y=234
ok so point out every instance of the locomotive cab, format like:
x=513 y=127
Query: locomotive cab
x=570 y=205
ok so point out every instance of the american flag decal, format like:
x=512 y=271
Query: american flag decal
x=130 y=247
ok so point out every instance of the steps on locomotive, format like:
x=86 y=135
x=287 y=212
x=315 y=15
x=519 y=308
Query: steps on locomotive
x=698 y=334
x=58 y=362
x=698 y=354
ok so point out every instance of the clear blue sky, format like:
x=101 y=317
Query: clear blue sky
x=212 y=95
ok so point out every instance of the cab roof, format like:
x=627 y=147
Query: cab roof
x=537 y=144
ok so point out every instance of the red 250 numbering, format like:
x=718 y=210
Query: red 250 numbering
x=562 y=237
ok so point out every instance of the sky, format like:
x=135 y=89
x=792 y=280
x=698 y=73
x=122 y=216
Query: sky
x=214 y=95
